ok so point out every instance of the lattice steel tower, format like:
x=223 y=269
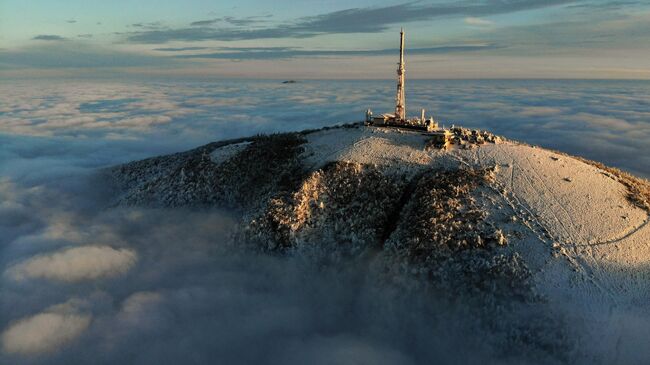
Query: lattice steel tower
x=400 y=99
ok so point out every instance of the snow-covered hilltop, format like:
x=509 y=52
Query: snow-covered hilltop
x=503 y=219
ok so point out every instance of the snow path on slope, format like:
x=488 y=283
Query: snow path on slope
x=578 y=212
x=582 y=204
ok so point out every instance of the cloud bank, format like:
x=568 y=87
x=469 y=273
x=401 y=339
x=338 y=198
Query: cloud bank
x=43 y=332
x=47 y=331
x=601 y=120
x=76 y=264
x=193 y=292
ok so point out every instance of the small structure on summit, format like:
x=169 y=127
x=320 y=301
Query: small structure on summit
x=399 y=119
x=440 y=139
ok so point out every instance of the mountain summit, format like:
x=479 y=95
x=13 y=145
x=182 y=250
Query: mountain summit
x=512 y=222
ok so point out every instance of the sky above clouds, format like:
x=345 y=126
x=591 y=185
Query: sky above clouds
x=326 y=39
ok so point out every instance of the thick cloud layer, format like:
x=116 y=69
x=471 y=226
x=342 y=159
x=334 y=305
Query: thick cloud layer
x=193 y=298
x=83 y=282
x=602 y=120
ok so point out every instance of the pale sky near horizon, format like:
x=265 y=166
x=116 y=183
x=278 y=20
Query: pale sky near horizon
x=326 y=39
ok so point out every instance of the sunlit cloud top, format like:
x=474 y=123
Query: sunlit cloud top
x=254 y=38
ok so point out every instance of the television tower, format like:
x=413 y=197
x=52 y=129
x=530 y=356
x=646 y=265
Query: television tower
x=400 y=100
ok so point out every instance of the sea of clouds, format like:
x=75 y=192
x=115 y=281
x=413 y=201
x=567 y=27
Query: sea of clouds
x=608 y=121
x=82 y=282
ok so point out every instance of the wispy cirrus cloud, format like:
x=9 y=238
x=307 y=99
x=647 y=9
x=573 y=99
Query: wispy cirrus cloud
x=243 y=21
x=355 y=20
x=201 y=23
x=606 y=5
x=48 y=37
x=180 y=49
x=73 y=54
x=614 y=31
x=477 y=21
x=262 y=53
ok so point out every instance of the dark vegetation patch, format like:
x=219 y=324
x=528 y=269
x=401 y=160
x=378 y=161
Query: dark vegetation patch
x=344 y=203
x=190 y=178
x=445 y=235
x=442 y=216
x=432 y=223
x=354 y=125
x=137 y=173
x=270 y=164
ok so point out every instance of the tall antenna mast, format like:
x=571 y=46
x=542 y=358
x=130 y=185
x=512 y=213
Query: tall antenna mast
x=400 y=99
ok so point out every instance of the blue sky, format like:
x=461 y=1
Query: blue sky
x=326 y=39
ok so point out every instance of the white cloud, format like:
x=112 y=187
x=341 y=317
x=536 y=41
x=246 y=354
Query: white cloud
x=138 y=303
x=477 y=21
x=535 y=111
x=600 y=121
x=143 y=122
x=46 y=331
x=76 y=264
x=140 y=310
x=84 y=108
